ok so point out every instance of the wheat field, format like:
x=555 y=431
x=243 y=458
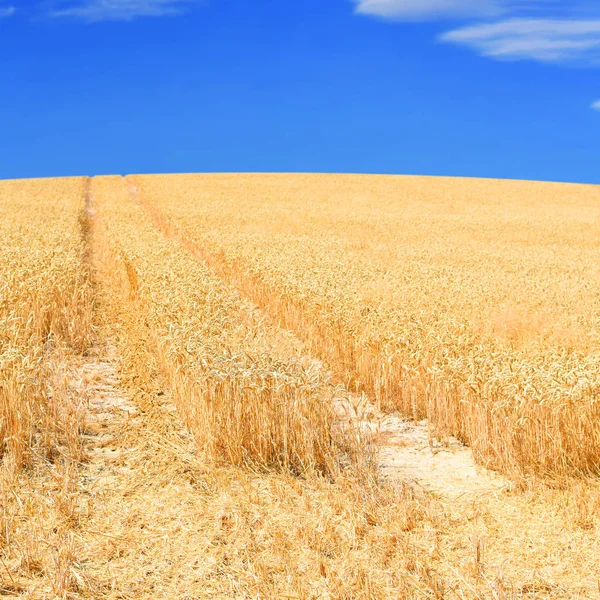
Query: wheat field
x=471 y=303
x=299 y=386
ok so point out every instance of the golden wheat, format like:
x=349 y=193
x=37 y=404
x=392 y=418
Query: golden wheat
x=44 y=308
x=243 y=389
x=459 y=300
x=45 y=324
x=470 y=302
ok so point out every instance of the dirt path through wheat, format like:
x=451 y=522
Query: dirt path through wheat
x=138 y=492
x=406 y=452
x=137 y=498
x=153 y=522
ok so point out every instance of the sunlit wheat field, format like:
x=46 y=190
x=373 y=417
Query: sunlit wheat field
x=473 y=303
x=299 y=386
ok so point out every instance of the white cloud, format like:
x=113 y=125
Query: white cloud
x=430 y=10
x=9 y=11
x=596 y=105
x=544 y=40
x=118 y=10
x=542 y=30
x=419 y=10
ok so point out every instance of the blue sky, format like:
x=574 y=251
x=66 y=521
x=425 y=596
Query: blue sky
x=492 y=88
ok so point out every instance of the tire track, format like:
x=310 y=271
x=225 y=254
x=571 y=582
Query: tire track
x=405 y=449
x=136 y=501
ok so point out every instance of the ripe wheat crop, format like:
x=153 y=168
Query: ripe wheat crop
x=243 y=389
x=44 y=311
x=473 y=303
x=177 y=353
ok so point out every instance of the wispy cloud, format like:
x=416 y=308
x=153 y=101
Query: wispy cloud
x=8 y=11
x=117 y=10
x=596 y=105
x=541 y=30
x=421 y=10
x=544 y=40
x=429 y=10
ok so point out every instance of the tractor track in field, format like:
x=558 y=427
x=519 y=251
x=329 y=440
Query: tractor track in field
x=523 y=529
x=138 y=490
x=141 y=489
x=138 y=515
x=137 y=500
x=405 y=449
